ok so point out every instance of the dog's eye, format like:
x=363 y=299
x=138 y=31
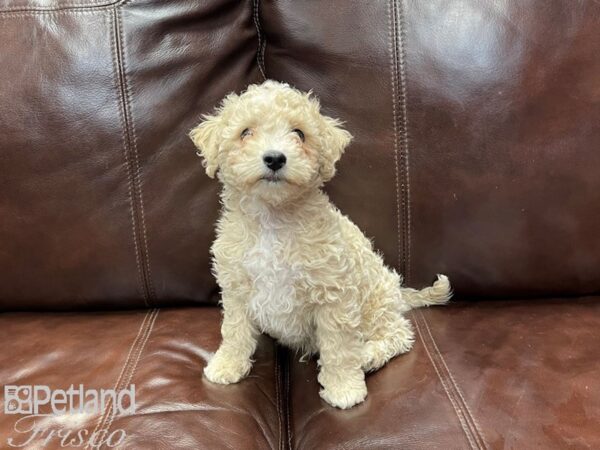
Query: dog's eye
x=300 y=133
x=246 y=132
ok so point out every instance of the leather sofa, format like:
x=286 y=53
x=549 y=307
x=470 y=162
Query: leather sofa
x=477 y=154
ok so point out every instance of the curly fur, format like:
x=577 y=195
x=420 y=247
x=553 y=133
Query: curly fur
x=288 y=262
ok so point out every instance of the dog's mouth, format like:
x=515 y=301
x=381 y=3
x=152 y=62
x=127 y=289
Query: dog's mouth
x=272 y=178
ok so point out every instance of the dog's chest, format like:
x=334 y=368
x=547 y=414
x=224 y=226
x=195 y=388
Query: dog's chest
x=274 y=304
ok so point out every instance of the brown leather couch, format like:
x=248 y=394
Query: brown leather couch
x=477 y=154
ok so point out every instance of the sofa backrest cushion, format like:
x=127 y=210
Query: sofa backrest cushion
x=477 y=124
x=103 y=202
x=477 y=150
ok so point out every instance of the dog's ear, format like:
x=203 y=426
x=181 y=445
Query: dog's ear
x=334 y=141
x=206 y=137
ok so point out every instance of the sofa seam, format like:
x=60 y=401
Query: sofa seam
x=71 y=8
x=141 y=329
x=138 y=202
x=282 y=382
x=135 y=365
x=457 y=411
x=288 y=402
x=405 y=143
x=474 y=424
x=393 y=74
x=262 y=41
x=445 y=385
x=117 y=75
x=277 y=400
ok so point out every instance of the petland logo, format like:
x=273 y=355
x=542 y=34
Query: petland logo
x=39 y=401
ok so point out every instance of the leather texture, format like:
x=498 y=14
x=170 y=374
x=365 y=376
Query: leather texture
x=475 y=153
x=495 y=374
x=353 y=80
x=102 y=199
x=477 y=130
x=161 y=352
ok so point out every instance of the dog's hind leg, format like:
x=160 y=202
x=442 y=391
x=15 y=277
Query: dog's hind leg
x=386 y=332
x=391 y=334
x=395 y=338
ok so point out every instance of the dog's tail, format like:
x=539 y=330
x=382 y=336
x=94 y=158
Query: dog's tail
x=438 y=294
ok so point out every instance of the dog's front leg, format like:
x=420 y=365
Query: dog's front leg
x=340 y=344
x=233 y=359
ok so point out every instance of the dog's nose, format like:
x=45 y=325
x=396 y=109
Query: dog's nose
x=274 y=160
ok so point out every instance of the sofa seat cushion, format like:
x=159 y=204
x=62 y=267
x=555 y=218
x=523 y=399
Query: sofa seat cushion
x=495 y=374
x=161 y=352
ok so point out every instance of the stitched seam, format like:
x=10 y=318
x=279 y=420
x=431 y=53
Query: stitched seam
x=138 y=179
x=137 y=200
x=277 y=401
x=109 y=413
x=473 y=422
x=288 y=399
x=102 y=417
x=134 y=366
x=18 y=11
x=460 y=398
x=453 y=401
x=393 y=72
x=75 y=12
x=117 y=72
x=404 y=144
x=262 y=42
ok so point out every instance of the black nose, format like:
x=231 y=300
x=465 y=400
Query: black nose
x=274 y=160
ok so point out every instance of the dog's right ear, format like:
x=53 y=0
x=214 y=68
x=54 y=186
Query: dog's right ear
x=206 y=137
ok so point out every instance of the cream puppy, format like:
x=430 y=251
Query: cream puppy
x=288 y=262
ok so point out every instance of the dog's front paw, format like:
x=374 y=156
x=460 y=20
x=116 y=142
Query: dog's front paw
x=344 y=397
x=226 y=370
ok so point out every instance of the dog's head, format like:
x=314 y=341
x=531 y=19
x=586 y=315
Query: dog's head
x=270 y=141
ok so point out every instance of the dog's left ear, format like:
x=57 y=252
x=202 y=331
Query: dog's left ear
x=334 y=141
x=206 y=137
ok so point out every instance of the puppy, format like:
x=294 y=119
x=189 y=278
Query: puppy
x=288 y=262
